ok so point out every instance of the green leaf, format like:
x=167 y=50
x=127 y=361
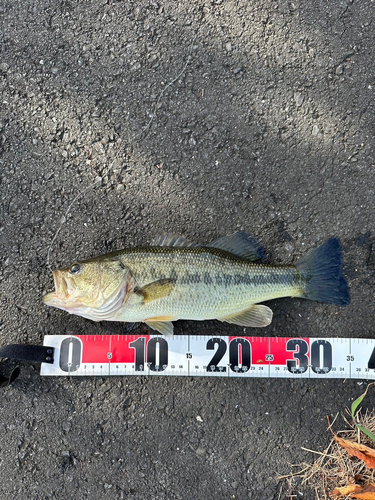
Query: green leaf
x=354 y=409
x=357 y=402
x=368 y=433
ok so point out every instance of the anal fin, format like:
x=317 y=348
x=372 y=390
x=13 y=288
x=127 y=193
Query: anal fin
x=254 y=316
x=162 y=324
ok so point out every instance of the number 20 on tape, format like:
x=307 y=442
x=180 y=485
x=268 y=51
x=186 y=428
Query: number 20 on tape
x=93 y=355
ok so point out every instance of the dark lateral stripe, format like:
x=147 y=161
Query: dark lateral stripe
x=238 y=279
x=190 y=278
x=207 y=280
x=235 y=279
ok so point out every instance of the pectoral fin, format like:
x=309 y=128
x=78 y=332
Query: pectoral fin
x=255 y=316
x=162 y=324
x=156 y=290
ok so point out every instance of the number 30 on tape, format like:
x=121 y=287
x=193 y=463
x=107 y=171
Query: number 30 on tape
x=92 y=355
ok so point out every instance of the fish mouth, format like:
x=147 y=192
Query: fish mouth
x=61 y=293
x=61 y=285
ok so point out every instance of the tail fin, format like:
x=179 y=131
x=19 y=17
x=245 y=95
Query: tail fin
x=322 y=270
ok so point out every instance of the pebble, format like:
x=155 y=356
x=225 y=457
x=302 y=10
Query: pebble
x=315 y=130
x=298 y=99
x=66 y=426
x=340 y=69
x=228 y=47
x=4 y=67
x=289 y=247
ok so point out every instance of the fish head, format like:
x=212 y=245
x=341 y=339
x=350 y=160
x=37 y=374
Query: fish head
x=94 y=289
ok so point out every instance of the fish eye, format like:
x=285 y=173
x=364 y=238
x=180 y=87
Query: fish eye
x=75 y=269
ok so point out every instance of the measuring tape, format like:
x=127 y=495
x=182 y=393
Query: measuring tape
x=255 y=357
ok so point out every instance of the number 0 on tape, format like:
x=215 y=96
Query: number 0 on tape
x=266 y=357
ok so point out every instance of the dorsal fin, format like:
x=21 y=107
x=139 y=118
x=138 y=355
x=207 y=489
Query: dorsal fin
x=172 y=240
x=241 y=244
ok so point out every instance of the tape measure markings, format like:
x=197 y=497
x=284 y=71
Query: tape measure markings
x=262 y=357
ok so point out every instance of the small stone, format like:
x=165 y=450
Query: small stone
x=315 y=130
x=199 y=418
x=340 y=69
x=4 y=67
x=200 y=451
x=228 y=47
x=66 y=426
x=298 y=99
x=120 y=188
x=289 y=248
x=98 y=148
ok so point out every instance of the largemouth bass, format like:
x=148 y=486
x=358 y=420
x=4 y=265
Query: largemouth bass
x=177 y=279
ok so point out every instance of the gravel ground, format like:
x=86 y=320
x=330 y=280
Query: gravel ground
x=194 y=117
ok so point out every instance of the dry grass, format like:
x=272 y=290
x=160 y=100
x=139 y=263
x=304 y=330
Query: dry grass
x=334 y=467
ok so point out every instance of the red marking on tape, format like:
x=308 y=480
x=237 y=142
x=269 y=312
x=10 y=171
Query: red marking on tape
x=96 y=348
x=276 y=346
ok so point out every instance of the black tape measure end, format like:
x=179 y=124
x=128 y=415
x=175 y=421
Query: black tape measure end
x=5 y=381
x=32 y=353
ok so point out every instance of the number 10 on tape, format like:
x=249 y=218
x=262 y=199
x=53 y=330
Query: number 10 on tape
x=155 y=355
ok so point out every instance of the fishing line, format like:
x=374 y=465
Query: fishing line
x=131 y=140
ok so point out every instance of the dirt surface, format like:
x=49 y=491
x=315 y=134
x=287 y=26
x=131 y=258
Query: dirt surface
x=268 y=126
